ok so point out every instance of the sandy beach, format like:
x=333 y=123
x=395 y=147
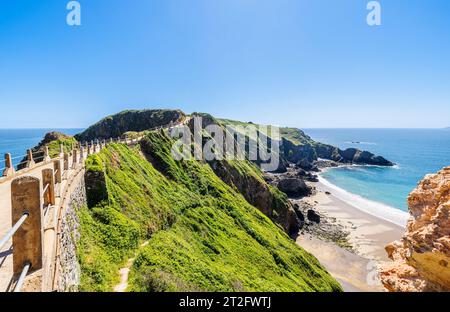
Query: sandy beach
x=356 y=269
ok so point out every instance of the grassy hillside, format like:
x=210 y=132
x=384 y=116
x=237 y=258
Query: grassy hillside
x=202 y=234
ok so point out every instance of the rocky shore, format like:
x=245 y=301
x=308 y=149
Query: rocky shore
x=347 y=241
x=300 y=186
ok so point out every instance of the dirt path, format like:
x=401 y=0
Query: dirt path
x=125 y=272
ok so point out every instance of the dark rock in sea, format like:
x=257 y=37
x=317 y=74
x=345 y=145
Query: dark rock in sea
x=313 y=216
x=328 y=193
x=294 y=187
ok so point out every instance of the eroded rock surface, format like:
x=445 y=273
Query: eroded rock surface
x=422 y=258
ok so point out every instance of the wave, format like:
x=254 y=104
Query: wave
x=371 y=207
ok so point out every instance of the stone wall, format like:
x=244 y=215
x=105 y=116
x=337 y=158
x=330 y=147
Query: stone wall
x=69 y=269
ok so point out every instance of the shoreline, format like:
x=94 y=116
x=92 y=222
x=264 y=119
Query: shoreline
x=367 y=234
x=374 y=208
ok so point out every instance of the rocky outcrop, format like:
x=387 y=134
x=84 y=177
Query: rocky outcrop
x=313 y=216
x=422 y=258
x=130 y=121
x=350 y=156
x=52 y=140
x=294 y=187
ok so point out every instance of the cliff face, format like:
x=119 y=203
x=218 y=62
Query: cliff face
x=422 y=258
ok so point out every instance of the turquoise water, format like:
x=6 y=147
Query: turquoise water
x=18 y=141
x=416 y=152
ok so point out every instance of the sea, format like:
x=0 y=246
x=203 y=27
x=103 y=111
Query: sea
x=383 y=191
x=18 y=141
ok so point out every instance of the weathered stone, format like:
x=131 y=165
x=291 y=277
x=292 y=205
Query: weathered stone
x=421 y=258
x=294 y=187
x=69 y=272
x=95 y=187
x=313 y=216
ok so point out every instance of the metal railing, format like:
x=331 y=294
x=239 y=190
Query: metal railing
x=22 y=276
x=13 y=230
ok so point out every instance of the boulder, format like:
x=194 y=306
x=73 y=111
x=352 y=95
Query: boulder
x=307 y=165
x=313 y=216
x=294 y=187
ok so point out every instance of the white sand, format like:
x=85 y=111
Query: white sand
x=369 y=235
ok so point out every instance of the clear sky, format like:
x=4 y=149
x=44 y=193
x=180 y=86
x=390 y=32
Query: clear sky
x=304 y=63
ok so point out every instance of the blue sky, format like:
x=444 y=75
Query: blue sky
x=304 y=63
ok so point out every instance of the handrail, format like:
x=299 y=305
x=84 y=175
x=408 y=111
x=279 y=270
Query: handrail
x=17 y=157
x=22 y=276
x=14 y=229
x=45 y=188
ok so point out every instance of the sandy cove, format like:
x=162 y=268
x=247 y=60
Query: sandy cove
x=356 y=270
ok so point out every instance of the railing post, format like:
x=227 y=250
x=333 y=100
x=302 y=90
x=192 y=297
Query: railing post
x=88 y=149
x=61 y=150
x=58 y=170
x=28 y=240
x=66 y=161
x=74 y=159
x=81 y=154
x=49 y=191
x=30 y=160
x=9 y=168
x=46 y=154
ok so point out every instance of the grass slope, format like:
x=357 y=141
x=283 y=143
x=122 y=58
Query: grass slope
x=202 y=234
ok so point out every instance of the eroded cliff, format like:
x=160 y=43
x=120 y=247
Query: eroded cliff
x=422 y=258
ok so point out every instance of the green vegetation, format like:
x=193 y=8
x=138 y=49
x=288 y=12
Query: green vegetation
x=67 y=142
x=202 y=234
x=296 y=136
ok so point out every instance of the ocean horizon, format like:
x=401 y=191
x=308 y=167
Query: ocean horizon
x=18 y=141
x=416 y=153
